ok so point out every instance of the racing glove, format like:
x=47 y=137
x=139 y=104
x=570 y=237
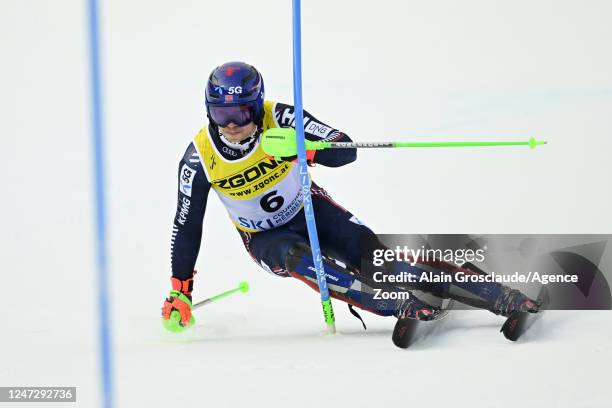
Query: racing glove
x=176 y=311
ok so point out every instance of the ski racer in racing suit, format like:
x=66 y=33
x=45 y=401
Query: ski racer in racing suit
x=263 y=198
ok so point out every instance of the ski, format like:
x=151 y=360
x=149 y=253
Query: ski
x=407 y=331
x=404 y=332
x=519 y=322
x=515 y=325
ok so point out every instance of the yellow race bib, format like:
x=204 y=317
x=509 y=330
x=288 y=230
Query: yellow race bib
x=259 y=193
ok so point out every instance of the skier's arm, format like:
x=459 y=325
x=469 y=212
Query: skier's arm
x=193 y=188
x=316 y=130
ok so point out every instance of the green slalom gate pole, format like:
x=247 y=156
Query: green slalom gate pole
x=281 y=142
x=242 y=287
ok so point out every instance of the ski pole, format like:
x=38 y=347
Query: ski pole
x=281 y=142
x=173 y=323
x=242 y=287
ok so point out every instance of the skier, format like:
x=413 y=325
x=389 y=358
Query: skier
x=263 y=198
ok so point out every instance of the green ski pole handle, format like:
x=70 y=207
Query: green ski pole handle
x=280 y=142
x=242 y=287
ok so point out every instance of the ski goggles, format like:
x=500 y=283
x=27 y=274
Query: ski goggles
x=239 y=115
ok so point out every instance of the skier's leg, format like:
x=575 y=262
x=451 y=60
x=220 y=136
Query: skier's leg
x=269 y=249
x=492 y=296
x=343 y=235
x=347 y=285
x=345 y=238
x=285 y=252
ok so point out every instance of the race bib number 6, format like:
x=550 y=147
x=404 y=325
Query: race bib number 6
x=271 y=202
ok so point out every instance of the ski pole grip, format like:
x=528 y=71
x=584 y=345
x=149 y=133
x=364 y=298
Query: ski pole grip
x=281 y=142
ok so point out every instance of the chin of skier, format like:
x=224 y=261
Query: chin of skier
x=263 y=198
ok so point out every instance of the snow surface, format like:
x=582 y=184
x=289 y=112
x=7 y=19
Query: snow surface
x=381 y=71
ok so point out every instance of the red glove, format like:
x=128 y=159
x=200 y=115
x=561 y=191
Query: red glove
x=176 y=312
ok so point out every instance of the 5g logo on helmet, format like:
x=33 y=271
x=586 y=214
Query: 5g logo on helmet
x=230 y=91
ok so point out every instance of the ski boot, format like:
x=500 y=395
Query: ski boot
x=512 y=300
x=413 y=308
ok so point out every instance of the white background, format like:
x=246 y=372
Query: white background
x=380 y=71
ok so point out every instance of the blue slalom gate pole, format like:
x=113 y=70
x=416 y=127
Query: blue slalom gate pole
x=97 y=124
x=328 y=311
